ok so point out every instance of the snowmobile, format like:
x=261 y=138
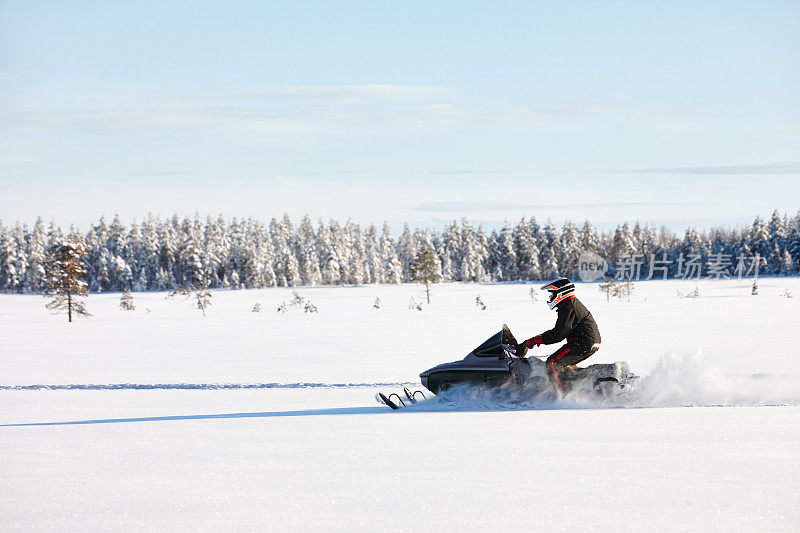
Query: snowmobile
x=495 y=364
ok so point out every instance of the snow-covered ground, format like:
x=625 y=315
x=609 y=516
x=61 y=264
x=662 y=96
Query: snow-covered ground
x=119 y=420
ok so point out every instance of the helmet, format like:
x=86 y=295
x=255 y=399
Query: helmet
x=560 y=290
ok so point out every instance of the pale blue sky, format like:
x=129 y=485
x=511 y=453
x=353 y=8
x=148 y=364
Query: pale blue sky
x=672 y=112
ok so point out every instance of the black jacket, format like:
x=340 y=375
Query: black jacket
x=574 y=320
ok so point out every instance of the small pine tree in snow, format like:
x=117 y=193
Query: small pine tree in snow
x=198 y=290
x=533 y=294
x=203 y=297
x=377 y=304
x=608 y=288
x=65 y=286
x=414 y=304
x=310 y=308
x=693 y=294
x=126 y=301
x=786 y=293
x=282 y=308
x=257 y=308
x=754 y=290
x=623 y=290
x=479 y=303
x=426 y=269
x=297 y=300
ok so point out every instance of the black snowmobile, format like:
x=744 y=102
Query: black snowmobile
x=495 y=364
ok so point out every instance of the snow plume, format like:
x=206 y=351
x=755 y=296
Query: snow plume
x=693 y=380
x=701 y=380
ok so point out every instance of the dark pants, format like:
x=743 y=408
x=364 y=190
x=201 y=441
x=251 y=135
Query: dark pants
x=575 y=351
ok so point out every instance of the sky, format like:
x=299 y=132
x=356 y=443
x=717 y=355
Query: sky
x=671 y=113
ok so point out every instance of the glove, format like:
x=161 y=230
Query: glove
x=534 y=341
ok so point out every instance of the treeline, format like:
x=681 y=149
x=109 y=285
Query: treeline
x=165 y=254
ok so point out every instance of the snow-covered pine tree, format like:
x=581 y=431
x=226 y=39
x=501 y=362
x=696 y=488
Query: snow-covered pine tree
x=507 y=254
x=116 y=246
x=550 y=245
x=392 y=268
x=133 y=252
x=211 y=253
x=65 y=287
x=307 y=253
x=340 y=256
x=590 y=240
x=474 y=250
x=527 y=250
x=359 y=270
x=451 y=240
x=374 y=258
x=570 y=250
x=9 y=281
x=778 y=233
x=141 y=283
x=266 y=254
x=126 y=301
x=447 y=263
x=407 y=253
x=37 y=244
x=787 y=265
x=793 y=244
x=235 y=281
x=21 y=263
x=329 y=263
x=150 y=248
x=758 y=238
x=168 y=252
x=483 y=252
x=622 y=244
x=289 y=253
x=190 y=258
x=493 y=260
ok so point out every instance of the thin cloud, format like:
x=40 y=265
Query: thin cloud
x=334 y=93
x=208 y=118
x=771 y=168
x=470 y=172
x=456 y=207
x=168 y=173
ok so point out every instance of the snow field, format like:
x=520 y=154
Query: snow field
x=299 y=457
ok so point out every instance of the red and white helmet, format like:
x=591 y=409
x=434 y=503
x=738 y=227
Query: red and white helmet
x=560 y=290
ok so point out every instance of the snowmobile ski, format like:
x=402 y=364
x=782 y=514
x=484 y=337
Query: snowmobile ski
x=387 y=400
x=411 y=395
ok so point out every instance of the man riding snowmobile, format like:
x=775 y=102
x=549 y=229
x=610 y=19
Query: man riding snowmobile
x=574 y=323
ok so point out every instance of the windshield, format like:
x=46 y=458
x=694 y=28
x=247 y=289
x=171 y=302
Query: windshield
x=493 y=346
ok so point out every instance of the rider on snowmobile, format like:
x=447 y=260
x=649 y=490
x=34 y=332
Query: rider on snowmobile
x=574 y=323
